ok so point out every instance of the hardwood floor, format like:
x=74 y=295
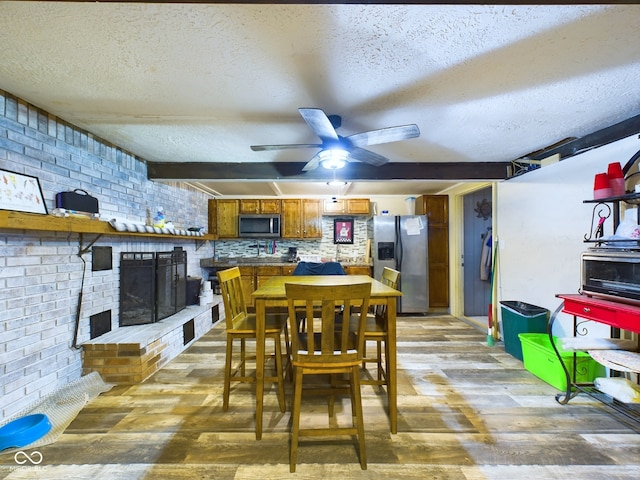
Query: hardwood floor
x=466 y=411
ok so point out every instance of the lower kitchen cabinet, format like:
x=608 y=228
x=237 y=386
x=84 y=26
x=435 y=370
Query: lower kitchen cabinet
x=288 y=270
x=265 y=273
x=357 y=270
x=247 y=276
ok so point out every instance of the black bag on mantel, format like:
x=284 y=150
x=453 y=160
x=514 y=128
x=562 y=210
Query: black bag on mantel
x=78 y=200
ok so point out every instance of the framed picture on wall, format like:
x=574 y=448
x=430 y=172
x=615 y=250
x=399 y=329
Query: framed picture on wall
x=343 y=230
x=21 y=193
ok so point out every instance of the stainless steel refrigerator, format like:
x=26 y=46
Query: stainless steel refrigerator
x=400 y=242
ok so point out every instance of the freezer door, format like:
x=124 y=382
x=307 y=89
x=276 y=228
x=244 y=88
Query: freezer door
x=413 y=260
x=384 y=244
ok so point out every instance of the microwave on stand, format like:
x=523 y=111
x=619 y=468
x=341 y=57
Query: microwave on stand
x=612 y=274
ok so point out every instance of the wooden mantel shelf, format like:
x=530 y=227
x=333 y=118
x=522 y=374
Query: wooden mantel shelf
x=33 y=221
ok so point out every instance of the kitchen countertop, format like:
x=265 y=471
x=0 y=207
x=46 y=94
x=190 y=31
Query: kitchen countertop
x=260 y=261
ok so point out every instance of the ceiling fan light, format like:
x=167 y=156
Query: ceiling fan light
x=334 y=158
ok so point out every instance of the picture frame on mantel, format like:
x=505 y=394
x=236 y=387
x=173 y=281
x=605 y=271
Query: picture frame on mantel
x=21 y=193
x=343 y=230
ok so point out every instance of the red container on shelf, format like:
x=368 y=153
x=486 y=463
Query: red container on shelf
x=601 y=187
x=616 y=179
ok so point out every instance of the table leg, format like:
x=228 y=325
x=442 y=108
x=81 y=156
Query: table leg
x=392 y=373
x=260 y=329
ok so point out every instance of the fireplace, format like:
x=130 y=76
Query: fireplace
x=153 y=286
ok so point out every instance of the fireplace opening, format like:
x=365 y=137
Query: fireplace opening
x=153 y=286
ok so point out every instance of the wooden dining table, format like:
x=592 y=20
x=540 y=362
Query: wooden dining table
x=272 y=294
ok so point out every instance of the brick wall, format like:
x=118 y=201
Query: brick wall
x=41 y=272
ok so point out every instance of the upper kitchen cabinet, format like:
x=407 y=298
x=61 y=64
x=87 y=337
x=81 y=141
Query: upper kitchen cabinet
x=259 y=206
x=311 y=218
x=436 y=208
x=349 y=206
x=223 y=218
x=301 y=218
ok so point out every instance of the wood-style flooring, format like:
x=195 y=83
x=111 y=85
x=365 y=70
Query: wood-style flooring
x=466 y=411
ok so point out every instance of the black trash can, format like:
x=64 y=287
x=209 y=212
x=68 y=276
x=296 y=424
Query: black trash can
x=520 y=317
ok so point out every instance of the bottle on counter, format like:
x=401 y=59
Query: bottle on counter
x=158 y=220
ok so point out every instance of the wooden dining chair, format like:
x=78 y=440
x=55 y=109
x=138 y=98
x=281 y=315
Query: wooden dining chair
x=376 y=331
x=327 y=348
x=241 y=325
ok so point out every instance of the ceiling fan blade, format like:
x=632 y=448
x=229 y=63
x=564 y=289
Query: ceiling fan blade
x=367 y=156
x=319 y=123
x=384 y=135
x=262 y=148
x=313 y=163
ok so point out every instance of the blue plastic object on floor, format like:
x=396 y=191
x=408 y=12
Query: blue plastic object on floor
x=24 y=431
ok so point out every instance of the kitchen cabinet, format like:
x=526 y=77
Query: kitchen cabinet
x=247 y=278
x=357 y=270
x=311 y=218
x=288 y=269
x=291 y=218
x=259 y=206
x=212 y=217
x=436 y=208
x=301 y=218
x=265 y=273
x=226 y=216
x=348 y=206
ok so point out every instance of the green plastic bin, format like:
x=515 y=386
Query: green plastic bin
x=541 y=360
x=520 y=317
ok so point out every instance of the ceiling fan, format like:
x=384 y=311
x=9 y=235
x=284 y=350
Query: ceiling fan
x=336 y=151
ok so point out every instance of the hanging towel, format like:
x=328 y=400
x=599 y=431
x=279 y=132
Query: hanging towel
x=485 y=258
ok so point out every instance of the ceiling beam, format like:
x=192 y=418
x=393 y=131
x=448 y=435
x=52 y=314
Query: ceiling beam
x=358 y=2
x=620 y=130
x=283 y=171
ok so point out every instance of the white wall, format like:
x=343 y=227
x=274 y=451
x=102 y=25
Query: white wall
x=41 y=272
x=541 y=224
x=395 y=204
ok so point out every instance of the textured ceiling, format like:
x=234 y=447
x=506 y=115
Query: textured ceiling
x=203 y=82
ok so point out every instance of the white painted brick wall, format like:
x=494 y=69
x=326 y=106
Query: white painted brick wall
x=41 y=273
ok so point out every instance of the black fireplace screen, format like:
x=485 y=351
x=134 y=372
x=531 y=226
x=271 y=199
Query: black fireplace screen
x=171 y=283
x=153 y=286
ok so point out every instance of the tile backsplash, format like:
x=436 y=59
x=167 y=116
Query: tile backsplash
x=324 y=248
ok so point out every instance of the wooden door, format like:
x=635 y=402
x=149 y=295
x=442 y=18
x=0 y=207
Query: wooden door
x=291 y=218
x=436 y=208
x=477 y=227
x=270 y=206
x=333 y=207
x=247 y=275
x=311 y=218
x=358 y=206
x=213 y=217
x=249 y=206
x=357 y=270
x=227 y=218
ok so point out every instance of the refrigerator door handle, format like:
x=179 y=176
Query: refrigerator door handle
x=399 y=252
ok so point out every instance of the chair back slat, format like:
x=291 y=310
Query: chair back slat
x=325 y=340
x=232 y=296
x=391 y=278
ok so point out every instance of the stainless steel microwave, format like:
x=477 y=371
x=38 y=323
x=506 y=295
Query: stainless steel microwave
x=259 y=226
x=611 y=274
